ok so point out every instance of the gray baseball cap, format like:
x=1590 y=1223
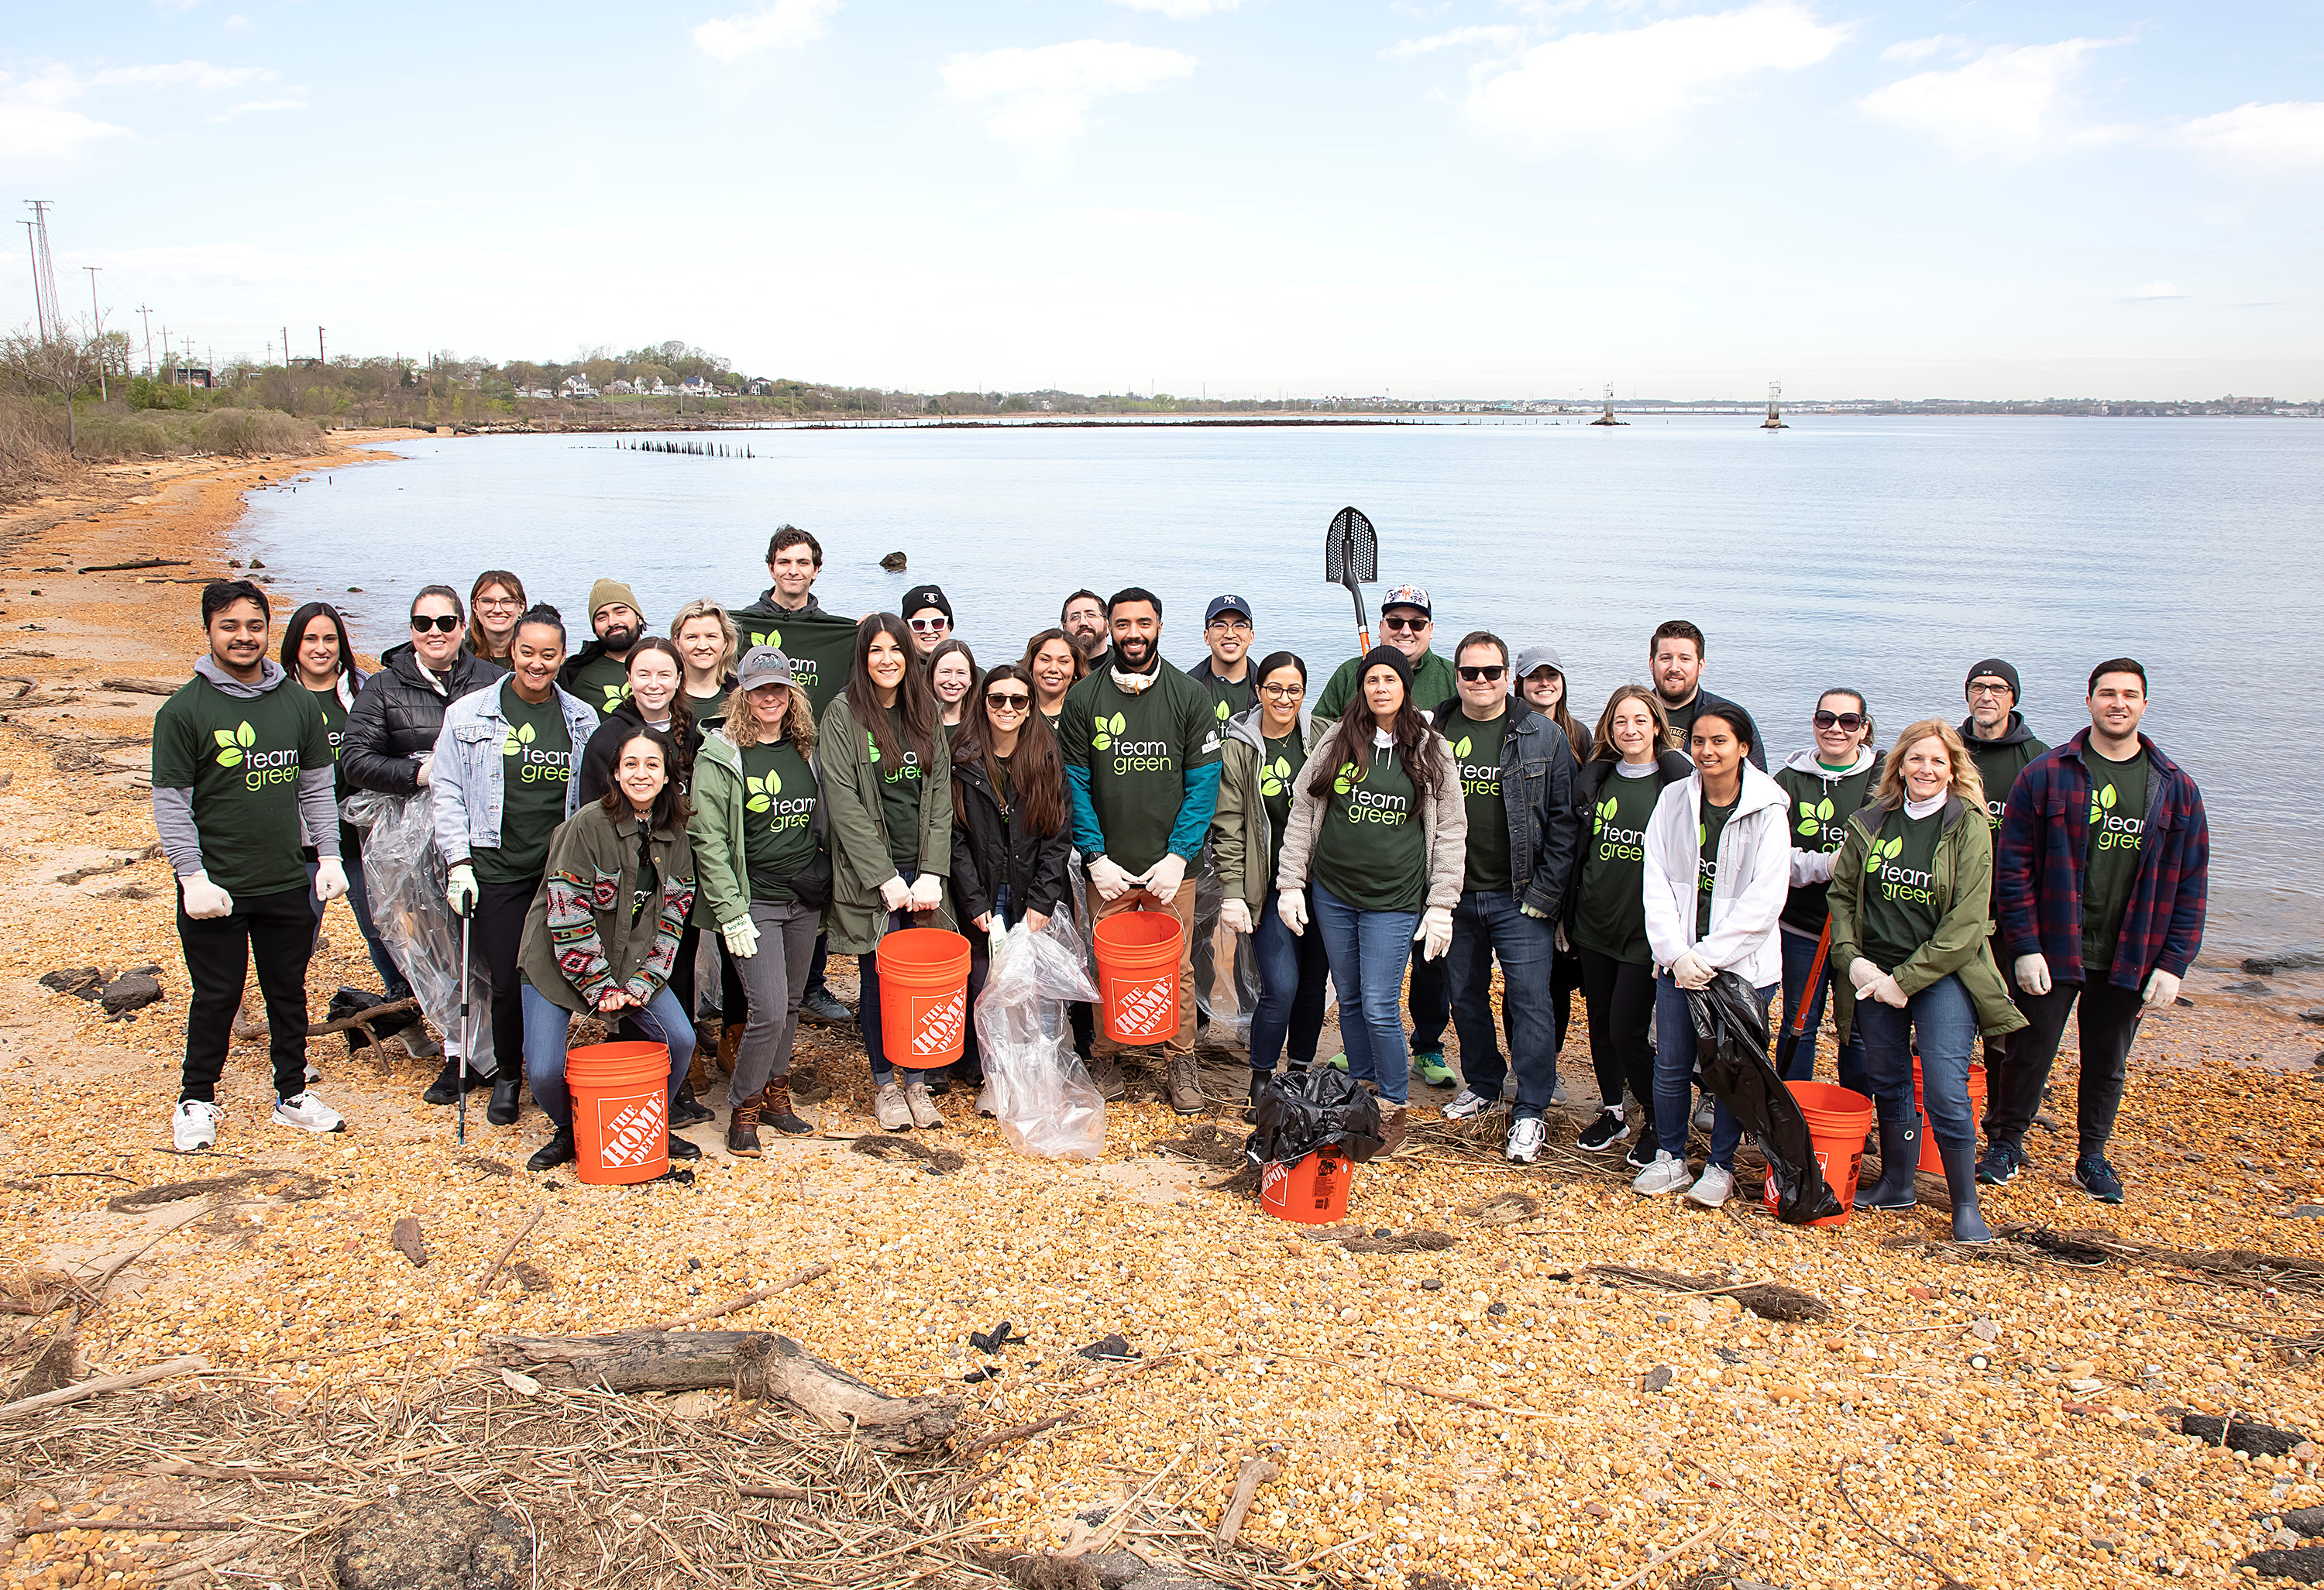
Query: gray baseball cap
x=1534 y=658
x=763 y=665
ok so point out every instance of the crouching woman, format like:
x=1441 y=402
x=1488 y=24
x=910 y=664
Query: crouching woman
x=603 y=932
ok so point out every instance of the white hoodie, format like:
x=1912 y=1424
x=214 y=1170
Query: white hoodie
x=1753 y=882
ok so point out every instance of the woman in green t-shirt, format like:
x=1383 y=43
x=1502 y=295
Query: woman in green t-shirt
x=1825 y=785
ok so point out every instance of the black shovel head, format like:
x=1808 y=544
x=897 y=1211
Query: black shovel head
x=1351 y=550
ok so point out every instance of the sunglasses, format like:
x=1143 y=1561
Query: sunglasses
x=1406 y=625
x=1008 y=704
x=1851 y=722
x=445 y=622
x=1491 y=676
x=929 y=626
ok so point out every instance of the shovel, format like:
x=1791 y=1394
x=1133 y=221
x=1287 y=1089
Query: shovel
x=1351 y=556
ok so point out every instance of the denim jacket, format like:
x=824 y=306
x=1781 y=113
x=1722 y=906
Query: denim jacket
x=467 y=776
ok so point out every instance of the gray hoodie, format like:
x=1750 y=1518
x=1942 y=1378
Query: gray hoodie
x=173 y=809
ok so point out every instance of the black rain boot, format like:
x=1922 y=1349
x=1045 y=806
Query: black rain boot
x=1900 y=1155
x=1959 y=1154
x=501 y=1111
x=1258 y=1081
x=558 y=1151
x=685 y=1110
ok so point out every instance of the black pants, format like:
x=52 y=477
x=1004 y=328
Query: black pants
x=1564 y=982
x=2110 y=1018
x=733 y=1002
x=1619 y=998
x=279 y=930
x=500 y=909
x=816 y=986
x=1430 y=1001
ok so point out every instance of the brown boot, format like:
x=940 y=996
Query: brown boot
x=742 y=1128
x=707 y=1039
x=1393 y=1128
x=1185 y=1086
x=729 y=1042
x=775 y=1109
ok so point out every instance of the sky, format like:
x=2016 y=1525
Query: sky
x=1426 y=198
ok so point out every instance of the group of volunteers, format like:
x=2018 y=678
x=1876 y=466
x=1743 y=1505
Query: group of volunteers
x=618 y=822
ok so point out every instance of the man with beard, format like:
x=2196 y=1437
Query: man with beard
x=599 y=673
x=1140 y=743
x=1083 y=618
x=1674 y=655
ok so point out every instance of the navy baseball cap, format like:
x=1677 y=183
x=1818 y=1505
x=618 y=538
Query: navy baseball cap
x=1219 y=604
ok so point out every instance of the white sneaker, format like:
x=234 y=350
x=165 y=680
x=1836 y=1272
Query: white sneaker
x=1706 y=1113
x=1525 y=1140
x=308 y=1114
x=194 y=1124
x=1667 y=1174
x=1714 y=1187
x=1465 y=1104
x=314 y=1074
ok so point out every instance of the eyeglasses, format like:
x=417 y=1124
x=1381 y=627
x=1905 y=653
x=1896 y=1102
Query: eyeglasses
x=929 y=626
x=1851 y=722
x=1491 y=676
x=1008 y=704
x=1405 y=625
x=1243 y=625
x=1283 y=691
x=498 y=602
x=445 y=622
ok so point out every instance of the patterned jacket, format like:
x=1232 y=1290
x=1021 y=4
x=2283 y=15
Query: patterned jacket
x=589 y=930
x=2038 y=868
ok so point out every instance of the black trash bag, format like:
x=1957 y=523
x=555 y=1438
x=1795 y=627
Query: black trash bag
x=1300 y=1112
x=346 y=1001
x=1730 y=1057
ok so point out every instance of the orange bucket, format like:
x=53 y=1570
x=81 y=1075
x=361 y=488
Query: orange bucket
x=1838 y=1119
x=1137 y=956
x=620 y=1111
x=1313 y=1191
x=922 y=997
x=1930 y=1160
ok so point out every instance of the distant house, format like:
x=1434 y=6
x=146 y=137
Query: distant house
x=618 y=389
x=576 y=386
x=759 y=386
x=694 y=386
x=540 y=392
x=191 y=375
x=660 y=391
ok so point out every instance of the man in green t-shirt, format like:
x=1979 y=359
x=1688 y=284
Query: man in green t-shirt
x=2001 y=747
x=242 y=770
x=1141 y=745
x=599 y=673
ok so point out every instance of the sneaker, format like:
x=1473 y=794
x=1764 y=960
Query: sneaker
x=2001 y=1166
x=1666 y=1175
x=418 y=1043
x=1714 y=1187
x=1603 y=1133
x=1338 y=1062
x=923 y=1108
x=1428 y=1065
x=1706 y=1113
x=308 y=1114
x=1466 y=1103
x=1643 y=1148
x=819 y=1009
x=314 y=1074
x=1185 y=1086
x=1110 y=1083
x=2094 y=1176
x=194 y=1124
x=1524 y=1141
x=1557 y=1094
x=889 y=1109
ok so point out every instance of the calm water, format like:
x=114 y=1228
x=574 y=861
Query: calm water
x=1883 y=554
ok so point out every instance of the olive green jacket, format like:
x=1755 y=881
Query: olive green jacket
x=858 y=830
x=1961 y=878
x=1240 y=836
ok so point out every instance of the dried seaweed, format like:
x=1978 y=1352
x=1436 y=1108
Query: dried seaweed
x=1769 y=1299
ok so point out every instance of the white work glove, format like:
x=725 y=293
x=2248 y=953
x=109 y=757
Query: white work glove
x=1528 y=909
x=995 y=936
x=1435 y=932
x=2033 y=974
x=330 y=880
x=1111 y=881
x=1691 y=970
x=896 y=894
x=1234 y=916
x=460 y=888
x=928 y=893
x=205 y=901
x=2161 y=987
x=741 y=937
x=1291 y=905
x=1162 y=879
x=1862 y=973
x=1887 y=989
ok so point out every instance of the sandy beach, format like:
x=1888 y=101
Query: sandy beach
x=1485 y=1411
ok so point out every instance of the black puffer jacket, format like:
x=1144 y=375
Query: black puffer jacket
x=396 y=718
x=596 y=770
x=985 y=855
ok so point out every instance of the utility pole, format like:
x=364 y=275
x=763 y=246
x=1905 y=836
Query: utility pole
x=50 y=313
x=319 y=347
x=147 y=312
x=96 y=318
x=286 y=348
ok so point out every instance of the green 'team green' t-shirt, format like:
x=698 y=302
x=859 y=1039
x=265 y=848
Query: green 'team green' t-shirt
x=707 y=710
x=1277 y=772
x=536 y=764
x=778 y=796
x=1609 y=911
x=1477 y=755
x=1707 y=831
x=1371 y=852
x=2110 y=856
x=897 y=766
x=241 y=757
x=1901 y=913
x=335 y=724
x=604 y=681
x=1823 y=800
x=1137 y=750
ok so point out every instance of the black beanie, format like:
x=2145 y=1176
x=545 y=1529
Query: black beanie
x=921 y=596
x=1394 y=659
x=2000 y=670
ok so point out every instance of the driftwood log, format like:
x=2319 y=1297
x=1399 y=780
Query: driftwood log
x=755 y=1363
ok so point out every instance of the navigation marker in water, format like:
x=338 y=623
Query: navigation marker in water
x=1774 y=416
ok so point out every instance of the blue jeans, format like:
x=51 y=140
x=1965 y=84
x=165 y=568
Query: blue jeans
x=391 y=980
x=546 y=1023
x=1489 y=924
x=1292 y=971
x=1945 y=1021
x=1795 y=1057
x=1674 y=1076
x=1369 y=950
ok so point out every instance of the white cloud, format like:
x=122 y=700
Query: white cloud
x=785 y=25
x=1181 y=10
x=2278 y=137
x=1909 y=50
x=1128 y=220
x=2158 y=289
x=1495 y=35
x=38 y=125
x=1044 y=95
x=2007 y=101
x=288 y=102
x=1624 y=78
x=31 y=131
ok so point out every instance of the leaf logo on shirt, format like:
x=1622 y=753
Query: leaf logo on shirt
x=1882 y=852
x=1606 y=809
x=1460 y=748
x=1102 y=732
x=1346 y=779
x=615 y=694
x=2102 y=801
x=232 y=742
x=1223 y=712
x=872 y=746
x=517 y=739
x=762 y=791
x=1274 y=778
x=1813 y=814
x=770 y=638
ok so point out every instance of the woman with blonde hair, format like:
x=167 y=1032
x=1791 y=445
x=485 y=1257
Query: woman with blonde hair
x=1908 y=901
x=708 y=644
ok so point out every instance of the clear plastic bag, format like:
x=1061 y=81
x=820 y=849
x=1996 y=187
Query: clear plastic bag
x=1226 y=968
x=405 y=877
x=1041 y=1093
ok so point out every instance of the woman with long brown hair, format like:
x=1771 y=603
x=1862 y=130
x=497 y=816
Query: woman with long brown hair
x=495 y=601
x=1054 y=664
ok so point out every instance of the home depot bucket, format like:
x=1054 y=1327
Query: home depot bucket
x=1137 y=976
x=1838 y=1119
x=922 y=997
x=620 y=1111
x=1930 y=1160
x=1313 y=1190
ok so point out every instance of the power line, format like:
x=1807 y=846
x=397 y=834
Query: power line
x=50 y=314
x=146 y=311
x=97 y=323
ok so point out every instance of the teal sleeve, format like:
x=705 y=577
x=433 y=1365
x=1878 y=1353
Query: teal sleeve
x=1088 y=838
x=1195 y=809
